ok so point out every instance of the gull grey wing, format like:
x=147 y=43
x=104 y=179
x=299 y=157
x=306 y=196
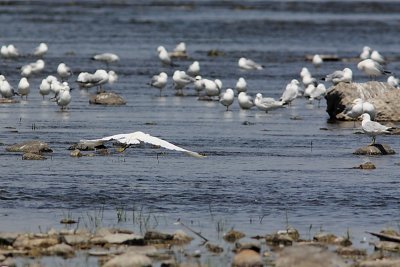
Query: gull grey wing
x=335 y=75
x=375 y=127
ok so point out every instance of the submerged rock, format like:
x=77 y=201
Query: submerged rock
x=76 y=153
x=329 y=238
x=214 y=248
x=380 y=263
x=247 y=258
x=384 y=97
x=233 y=235
x=7 y=239
x=366 y=166
x=107 y=98
x=32 y=156
x=129 y=260
x=34 y=241
x=62 y=250
x=34 y=146
x=376 y=149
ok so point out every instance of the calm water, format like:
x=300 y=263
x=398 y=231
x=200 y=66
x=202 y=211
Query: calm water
x=255 y=175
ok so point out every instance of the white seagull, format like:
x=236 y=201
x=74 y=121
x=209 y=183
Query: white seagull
x=44 y=88
x=107 y=58
x=181 y=79
x=291 y=92
x=366 y=53
x=63 y=71
x=112 y=77
x=241 y=85
x=344 y=76
x=6 y=89
x=194 y=69
x=318 y=93
x=393 y=81
x=375 y=55
x=245 y=101
x=268 y=103
x=23 y=87
x=317 y=61
x=179 y=50
x=164 y=56
x=64 y=97
x=371 y=68
x=227 y=98
x=212 y=88
x=137 y=138
x=159 y=81
x=249 y=64
x=198 y=84
x=373 y=128
x=360 y=107
x=41 y=50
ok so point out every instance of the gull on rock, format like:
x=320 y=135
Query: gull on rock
x=360 y=107
x=241 y=85
x=373 y=128
x=345 y=76
x=179 y=51
x=227 y=98
x=41 y=50
x=23 y=87
x=372 y=68
x=249 y=64
x=268 y=103
x=137 y=138
x=393 y=81
x=112 y=77
x=159 y=81
x=245 y=101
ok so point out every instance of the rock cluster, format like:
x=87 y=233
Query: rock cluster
x=384 y=97
x=107 y=98
x=32 y=150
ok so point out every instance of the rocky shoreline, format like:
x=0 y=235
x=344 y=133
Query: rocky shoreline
x=121 y=247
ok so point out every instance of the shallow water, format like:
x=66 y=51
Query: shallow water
x=258 y=176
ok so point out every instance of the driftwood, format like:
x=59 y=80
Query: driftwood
x=386 y=237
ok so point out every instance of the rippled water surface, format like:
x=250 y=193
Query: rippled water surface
x=262 y=170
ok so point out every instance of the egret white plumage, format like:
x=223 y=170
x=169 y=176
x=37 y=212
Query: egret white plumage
x=137 y=138
x=227 y=98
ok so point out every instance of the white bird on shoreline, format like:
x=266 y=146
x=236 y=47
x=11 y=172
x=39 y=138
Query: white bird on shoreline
x=194 y=69
x=41 y=50
x=318 y=93
x=164 y=56
x=375 y=55
x=291 y=92
x=9 y=51
x=107 y=58
x=227 y=98
x=373 y=128
x=181 y=80
x=198 y=84
x=63 y=98
x=317 y=61
x=393 y=81
x=365 y=54
x=360 y=107
x=137 y=138
x=344 y=76
x=88 y=80
x=44 y=88
x=112 y=77
x=372 y=68
x=23 y=87
x=268 y=103
x=63 y=71
x=249 y=64
x=6 y=90
x=245 y=101
x=159 y=81
x=212 y=88
x=241 y=85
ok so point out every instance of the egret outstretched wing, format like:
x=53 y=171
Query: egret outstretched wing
x=138 y=137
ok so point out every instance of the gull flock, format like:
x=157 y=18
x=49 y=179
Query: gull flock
x=57 y=86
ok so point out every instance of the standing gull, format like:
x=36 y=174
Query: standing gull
x=164 y=56
x=359 y=107
x=373 y=128
x=227 y=98
x=159 y=81
x=371 y=68
x=241 y=85
x=268 y=103
x=181 y=79
x=366 y=53
x=249 y=64
x=137 y=138
x=345 y=76
x=41 y=50
x=291 y=92
x=317 y=61
x=63 y=71
x=194 y=69
x=245 y=101
x=23 y=87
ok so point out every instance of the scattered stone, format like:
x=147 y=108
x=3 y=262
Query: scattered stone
x=384 y=97
x=118 y=238
x=76 y=153
x=29 y=241
x=376 y=149
x=34 y=146
x=380 y=263
x=68 y=221
x=387 y=245
x=102 y=152
x=366 y=166
x=7 y=239
x=329 y=238
x=308 y=256
x=62 y=250
x=248 y=245
x=32 y=156
x=181 y=237
x=291 y=232
x=351 y=252
x=296 y=118
x=154 y=237
x=81 y=240
x=247 y=258
x=87 y=146
x=2 y=257
x=214 y=248
x=9 y=262
x=107 y=98
x=232 y=236
x=279 y=240
x=215 y=53
x=129 y=260
x=145 y=250
x=248 y=123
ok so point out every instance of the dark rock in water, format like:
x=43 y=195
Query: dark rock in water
x=87 y=146
x=157 y=237
x=76 y=153
x=32 y=156
x=7 y=239
x=376 y=149
x=215 y=53
x=214 y=248
x=248 y=245
x=384 y=97
x=366 y=166
x=233 y=235
x=107 y=98
x=34 y=146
